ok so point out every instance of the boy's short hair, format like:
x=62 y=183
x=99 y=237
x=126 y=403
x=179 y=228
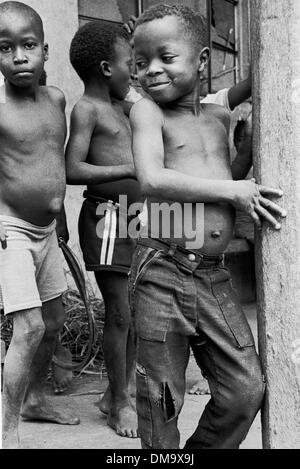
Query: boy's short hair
x=23 y=9
x=193 y=22
x=93 y=43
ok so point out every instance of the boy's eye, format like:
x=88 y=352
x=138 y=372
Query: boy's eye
x=5 y=48
x=29 y=46
x=168 y=58
x=140 y=64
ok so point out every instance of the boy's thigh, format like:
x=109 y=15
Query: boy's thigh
x=18 y=284
x=114 y=289
x=50 y=275
x=225 y=346
x=113 y=286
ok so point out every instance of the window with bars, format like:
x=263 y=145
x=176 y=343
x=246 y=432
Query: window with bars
x=221 y=18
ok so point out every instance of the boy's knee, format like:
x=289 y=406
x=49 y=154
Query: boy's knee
x=248 y=397
x=31 y=333
x=54 y=326
x=118 y=317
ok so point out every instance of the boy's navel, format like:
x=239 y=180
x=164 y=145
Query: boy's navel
x=216 y=234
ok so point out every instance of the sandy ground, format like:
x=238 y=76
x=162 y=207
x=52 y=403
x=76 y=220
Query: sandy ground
x=93 y=432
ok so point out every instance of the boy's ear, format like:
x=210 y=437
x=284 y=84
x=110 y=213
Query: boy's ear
x=204 y=58
x=105 y=68
x=46 y=52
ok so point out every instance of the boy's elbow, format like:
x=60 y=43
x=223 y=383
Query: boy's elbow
x=149 y=186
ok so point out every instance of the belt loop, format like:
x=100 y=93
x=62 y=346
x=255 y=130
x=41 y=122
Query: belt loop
x=223 y=260
x=172 y=249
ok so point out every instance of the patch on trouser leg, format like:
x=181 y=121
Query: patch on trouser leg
x=157 y=406
x=167 y=403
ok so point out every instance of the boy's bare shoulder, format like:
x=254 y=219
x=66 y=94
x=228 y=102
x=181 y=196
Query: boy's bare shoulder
x=84 y=111
x=218 y=112
x=144 y=109
x=54 y=94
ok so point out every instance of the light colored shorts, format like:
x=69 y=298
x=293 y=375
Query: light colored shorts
x=31 y=267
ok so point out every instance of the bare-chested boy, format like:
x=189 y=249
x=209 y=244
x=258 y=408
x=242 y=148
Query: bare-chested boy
x=32 y=189
x=99 y=156
x=180 y=291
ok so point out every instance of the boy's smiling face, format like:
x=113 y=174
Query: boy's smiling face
x=168 y=64
x=22 y=49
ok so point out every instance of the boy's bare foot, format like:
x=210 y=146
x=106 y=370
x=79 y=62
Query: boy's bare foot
x=105 y=402
x=200 y=387
x=61 y=378
x=124 y=421
x=44 y=411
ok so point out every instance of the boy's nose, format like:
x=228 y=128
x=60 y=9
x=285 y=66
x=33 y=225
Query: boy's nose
x=19 y=56
x=154 y=68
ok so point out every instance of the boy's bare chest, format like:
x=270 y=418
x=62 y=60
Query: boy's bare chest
x=193 y=135
x=113 y=124
x=195 y=145
x=36 y=124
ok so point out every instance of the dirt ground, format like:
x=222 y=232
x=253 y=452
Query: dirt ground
x=93 y=432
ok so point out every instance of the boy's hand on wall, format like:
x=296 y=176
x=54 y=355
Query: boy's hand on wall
x=253 y=199
x=248 y=126
x=130 y=25
x=3 y=236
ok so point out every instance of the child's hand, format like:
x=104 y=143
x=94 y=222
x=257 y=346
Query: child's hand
x=252 y=199
x=248 y=126
x=130 y=26
x=3 y=236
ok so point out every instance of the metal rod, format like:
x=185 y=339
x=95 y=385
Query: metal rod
x=140 y=7
x=208 y=14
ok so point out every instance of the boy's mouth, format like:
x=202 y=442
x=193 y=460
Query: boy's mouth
x=23 y=73
x=157 y=86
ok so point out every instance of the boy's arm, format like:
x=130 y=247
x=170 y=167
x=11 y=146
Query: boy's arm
x=239 y=93
x=83 y=122
x=168 y=184
x=243 y=160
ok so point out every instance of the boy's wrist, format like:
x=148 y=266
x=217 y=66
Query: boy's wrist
x=230 y=193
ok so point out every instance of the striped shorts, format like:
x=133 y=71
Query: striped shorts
x=102 y=244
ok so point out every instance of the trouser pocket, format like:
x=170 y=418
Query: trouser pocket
x=230 y=308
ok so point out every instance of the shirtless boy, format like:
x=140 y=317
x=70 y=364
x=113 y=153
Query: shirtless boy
x=32 y=189
x=180 y=291
x=99 y=156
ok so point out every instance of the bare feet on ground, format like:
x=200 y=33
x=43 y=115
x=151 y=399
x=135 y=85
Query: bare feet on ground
x=45 y=411
x=124 y=421
x=105 y=402
x=201 y=387
x=61 y=378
